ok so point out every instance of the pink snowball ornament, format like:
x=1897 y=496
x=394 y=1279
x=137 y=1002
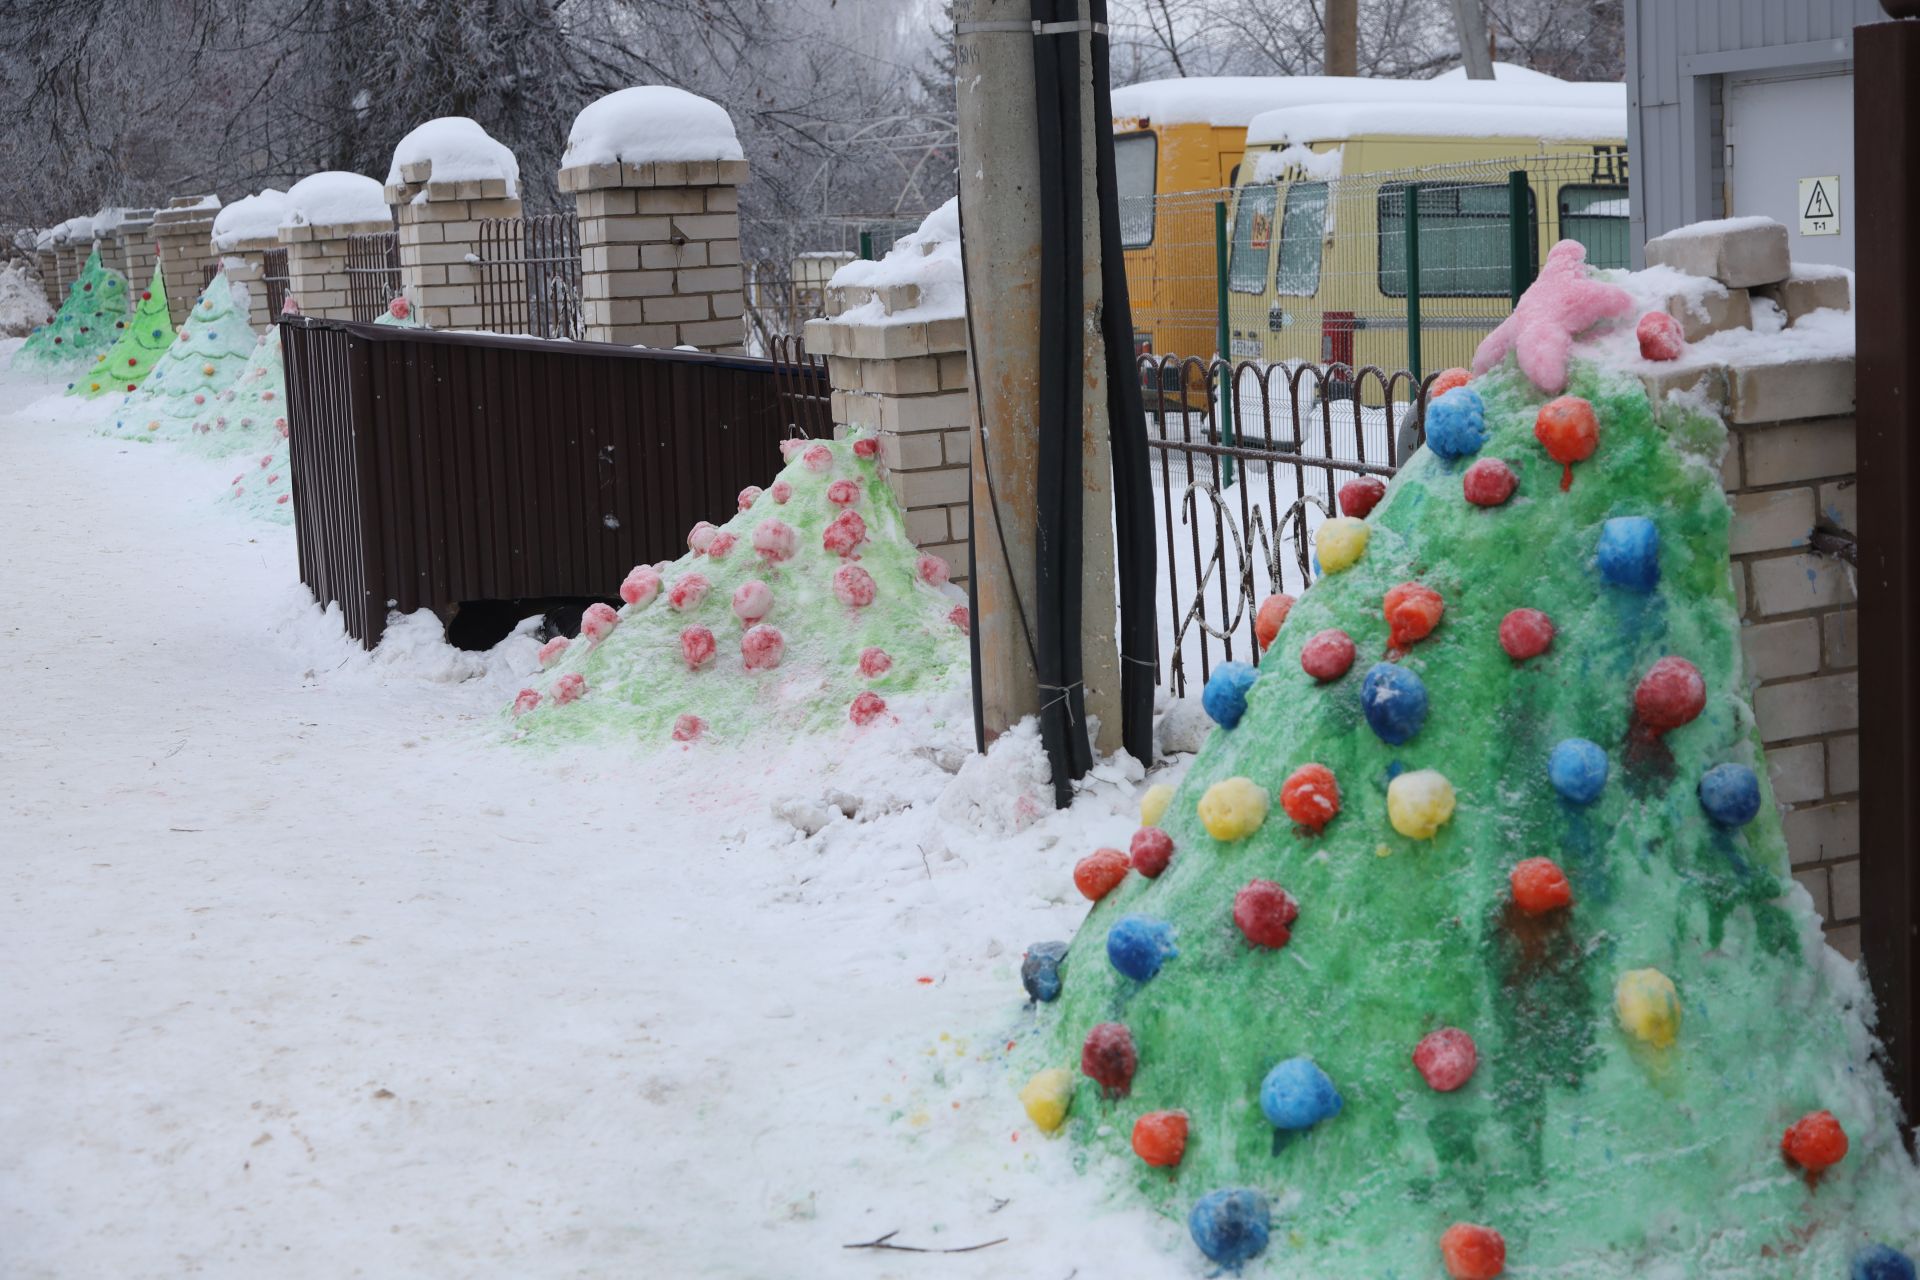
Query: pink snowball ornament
x=722 y=543
x=751 y=601
x=866 y=447
x=1660 y=335
x=853 y=586
x=598 y=622
x=843 y=493
x=762 y=647
x=641 y=586
x=550 y=651
x=790 y=449
x=774 y=540
x=701 y=536
x=867 y=707
x=749 y=495
x=688 y=727
x=697 y=646
x=399 y=308
x=844 y=536
x=688 y=591
x=782 y=492
x=525 y=701
x=817 y=458
x=569 y=688
x=875 y=662
x=933 y=570
x=962 y=618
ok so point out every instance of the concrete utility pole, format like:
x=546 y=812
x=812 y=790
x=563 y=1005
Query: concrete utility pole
x=1000 y=226
x=1343 y=38
x=1476 y=53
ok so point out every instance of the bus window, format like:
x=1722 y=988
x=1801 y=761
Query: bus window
x=1252 y=239
x=1134 y=158
x=1301 y=228
x=1597 y=218
x=1463 y=239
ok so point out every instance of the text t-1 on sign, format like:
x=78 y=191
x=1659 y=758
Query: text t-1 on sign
x=1820 y=206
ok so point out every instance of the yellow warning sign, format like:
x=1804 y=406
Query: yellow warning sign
x=1820 y=206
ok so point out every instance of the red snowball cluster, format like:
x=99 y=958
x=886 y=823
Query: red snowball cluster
x=688 y=591
x=1473 y=1252
x=1359 y=497
x=1525 y=633
x=1100 y=873
x=1412 y=612
x=853 y=586
x=1150 y=850
x=1265 y=913
x=1539 y=886
x=1671 y=694
x=875 y=662
x=1311 y=796
x=1109 y=1059
x=1660 y=335
x=1160 y=1138
x=688 y=727
x=1328 y=655
x=1267 y=621
x=762 y=647
x=1446 y=1059
x=697 y=646
x=1815 y=1142
x=867 y=707
x=844 y=536
x=1489 y=482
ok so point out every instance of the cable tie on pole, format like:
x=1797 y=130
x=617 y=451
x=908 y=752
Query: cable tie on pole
x=1031 y=28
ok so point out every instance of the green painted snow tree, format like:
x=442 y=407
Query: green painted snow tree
x=91 y=320
x=1470 y=934
x=179 y=397
x=148 y=334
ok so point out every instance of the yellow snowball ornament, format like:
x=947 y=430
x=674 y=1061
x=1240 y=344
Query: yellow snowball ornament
x=1648 y=1006
x=1419 y=803
x=1340 y=542
x=1153 y=805
x=1234 y=808
x=1047 y=1097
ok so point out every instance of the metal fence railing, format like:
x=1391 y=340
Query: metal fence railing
x=275 y=275
x=373 y=273
x=1406 y=269
x=530 y=275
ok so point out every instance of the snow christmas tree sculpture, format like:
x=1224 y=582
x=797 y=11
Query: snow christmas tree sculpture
x=805 y=611
x=210 y=349
x=1468 y=940
x=91 y=319
x=251 y=414
x=148 y=334
x=265 y=487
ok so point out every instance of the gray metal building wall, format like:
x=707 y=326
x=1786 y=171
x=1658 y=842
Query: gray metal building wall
x=1678 y=55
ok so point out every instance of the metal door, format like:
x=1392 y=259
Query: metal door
x=1783 y=127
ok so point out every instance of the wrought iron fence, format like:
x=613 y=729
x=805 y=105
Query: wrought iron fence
x=208 y=270
x=802 y=383
x=530 y=275
x=781 y=299
x=1244 y=479
x=373 y=273
x=274 y=274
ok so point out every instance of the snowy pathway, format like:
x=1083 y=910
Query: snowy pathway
x=308 y=976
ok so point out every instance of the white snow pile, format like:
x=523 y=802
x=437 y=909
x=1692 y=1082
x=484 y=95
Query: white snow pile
x=649 y=123
x=73 y=231
x=928 y=258
x=459 y=151
x=22 y=304
x=1298 y=158
x=1716 y=227
x=256 y=217
x=1234 y=101
x=1824 y=334
x=1326 y=121
x=335 y=198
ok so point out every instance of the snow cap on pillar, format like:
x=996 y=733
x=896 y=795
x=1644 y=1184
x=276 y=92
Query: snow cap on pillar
x=447 y=151
x=649 y=124
x=335 y=199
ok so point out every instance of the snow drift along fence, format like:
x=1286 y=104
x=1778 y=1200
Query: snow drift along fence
x=433 y=468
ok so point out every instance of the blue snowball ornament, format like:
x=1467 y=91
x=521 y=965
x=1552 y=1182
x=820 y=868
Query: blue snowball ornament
x=1137 y=946
x=1298 y=1095
x=1578 y=770
x=1457 y=423
x=1225 y=697
x=1629 y=553
x=1882 y=1262
x=1231 y=1227
x=1040 y=971
x=1730 y=793
x=1395 y=702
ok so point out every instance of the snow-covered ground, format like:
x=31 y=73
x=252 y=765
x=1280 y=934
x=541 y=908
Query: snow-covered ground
x=308 y=973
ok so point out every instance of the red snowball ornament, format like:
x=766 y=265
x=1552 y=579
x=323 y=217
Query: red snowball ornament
x=1328 y=655
x=1489 y=482
x=1359 y=497
x=1525 y=633
x=1151 y=850
x=962 y=618
x=875 y=662
x=1412 y=612
x=1671 y=694
x=1446 y=381
x=1473 y=1252
x=1445 y=1059
x=1160 y=1138
x=866 y=708
x=1273 y=612
x=697 y=646
x=1570 y=432
x=688 y=727
x=1311 y=796
x=1539 y=886
x=1661 y=337
x=1815 y=1142
x=1265 y=913
x=1109 y=1059
x=1100 y=873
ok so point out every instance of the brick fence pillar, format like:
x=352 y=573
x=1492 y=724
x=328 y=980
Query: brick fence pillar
x=660 y=252
x=246 y=263
x=317 y=265
x=69 y=258
x=905 y=381
x=134 y=249
x=439 y=231
x=47 y=258
x=184 y=231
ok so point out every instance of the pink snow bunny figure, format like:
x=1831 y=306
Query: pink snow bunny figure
x=1559 y=306
x=569 y=687
x=697 y=647
x=722 y=543
x=752 y=600
x=853 y=586
x=762 y=647
x=817 y=458
x=748 y=495
x=844 y=536
x=866 y=447
x=933 y=569
x=688 y=591
x=790 y=449
x=701 y=536
x=962 y=618
x=598 y=622
x=843 y=493
x=875 y=662
x=525 y=701
x=642 y=584
x=399 y=308
x=550 y=651
x=688 y=727
x=866 y=708
x=290 y=307
x=781 y=491
x=774 y=540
